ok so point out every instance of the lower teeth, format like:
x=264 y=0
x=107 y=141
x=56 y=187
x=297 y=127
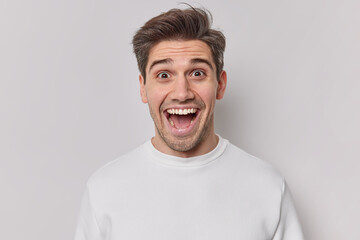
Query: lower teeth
x=171 y=122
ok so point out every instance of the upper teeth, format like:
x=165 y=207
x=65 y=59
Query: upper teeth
x=181 y=111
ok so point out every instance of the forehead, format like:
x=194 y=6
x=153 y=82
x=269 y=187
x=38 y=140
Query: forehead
x=180 y=50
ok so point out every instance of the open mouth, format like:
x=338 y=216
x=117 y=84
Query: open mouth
x=181 y=118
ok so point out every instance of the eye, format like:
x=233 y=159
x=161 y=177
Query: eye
x=198 y=73
x=163 y=75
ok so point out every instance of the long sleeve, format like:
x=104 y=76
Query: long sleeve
x=87 y=227
x=289 y=227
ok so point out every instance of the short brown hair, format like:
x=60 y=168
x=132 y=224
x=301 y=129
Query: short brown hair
x=179 y=24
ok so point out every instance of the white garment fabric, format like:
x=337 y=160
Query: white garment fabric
x=225 y=194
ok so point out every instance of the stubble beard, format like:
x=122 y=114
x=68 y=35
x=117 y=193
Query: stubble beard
x=187 y=143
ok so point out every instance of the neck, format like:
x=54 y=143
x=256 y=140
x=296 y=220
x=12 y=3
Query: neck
x=207 y=144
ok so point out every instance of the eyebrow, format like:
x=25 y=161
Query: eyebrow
x=161 y=61
x=201 y=60
x=169 y=60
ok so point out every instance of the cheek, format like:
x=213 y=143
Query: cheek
x=156 y=97
x=207 y=94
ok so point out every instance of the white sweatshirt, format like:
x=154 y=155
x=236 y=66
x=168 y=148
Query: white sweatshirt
x=225 y=194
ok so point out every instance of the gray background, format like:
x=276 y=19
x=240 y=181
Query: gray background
x=69 y=103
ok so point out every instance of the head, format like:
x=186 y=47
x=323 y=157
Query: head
x=181 y=63
x=179 y=24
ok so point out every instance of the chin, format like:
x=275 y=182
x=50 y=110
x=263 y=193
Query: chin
x=185 y=143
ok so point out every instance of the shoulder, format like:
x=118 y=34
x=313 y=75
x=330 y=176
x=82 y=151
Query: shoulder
x=252 y=168
x=115 y=170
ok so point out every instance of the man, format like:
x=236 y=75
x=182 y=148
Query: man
x=186 y=182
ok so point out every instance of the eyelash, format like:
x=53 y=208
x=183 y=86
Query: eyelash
x=198 y=71
x=159 y=75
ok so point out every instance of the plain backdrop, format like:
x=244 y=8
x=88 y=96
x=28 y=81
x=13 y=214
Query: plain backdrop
x=69 y=103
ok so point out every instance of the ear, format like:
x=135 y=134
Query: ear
x=142 y=89
x=221 y=85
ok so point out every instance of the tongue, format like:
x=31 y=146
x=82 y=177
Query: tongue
x=181 y=121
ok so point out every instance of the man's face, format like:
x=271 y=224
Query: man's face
x=181 y=89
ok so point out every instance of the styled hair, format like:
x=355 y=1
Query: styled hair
x=179 y=24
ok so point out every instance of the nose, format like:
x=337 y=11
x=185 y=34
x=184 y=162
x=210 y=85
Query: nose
x=182 y=89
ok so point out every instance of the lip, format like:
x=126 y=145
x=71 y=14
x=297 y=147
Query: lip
x=184 y=131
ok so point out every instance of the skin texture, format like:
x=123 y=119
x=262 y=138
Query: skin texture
x=182 y=74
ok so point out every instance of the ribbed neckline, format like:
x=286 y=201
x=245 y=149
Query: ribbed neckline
x=190 y=162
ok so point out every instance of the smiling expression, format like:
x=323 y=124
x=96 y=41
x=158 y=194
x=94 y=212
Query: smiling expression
x=181 y=89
